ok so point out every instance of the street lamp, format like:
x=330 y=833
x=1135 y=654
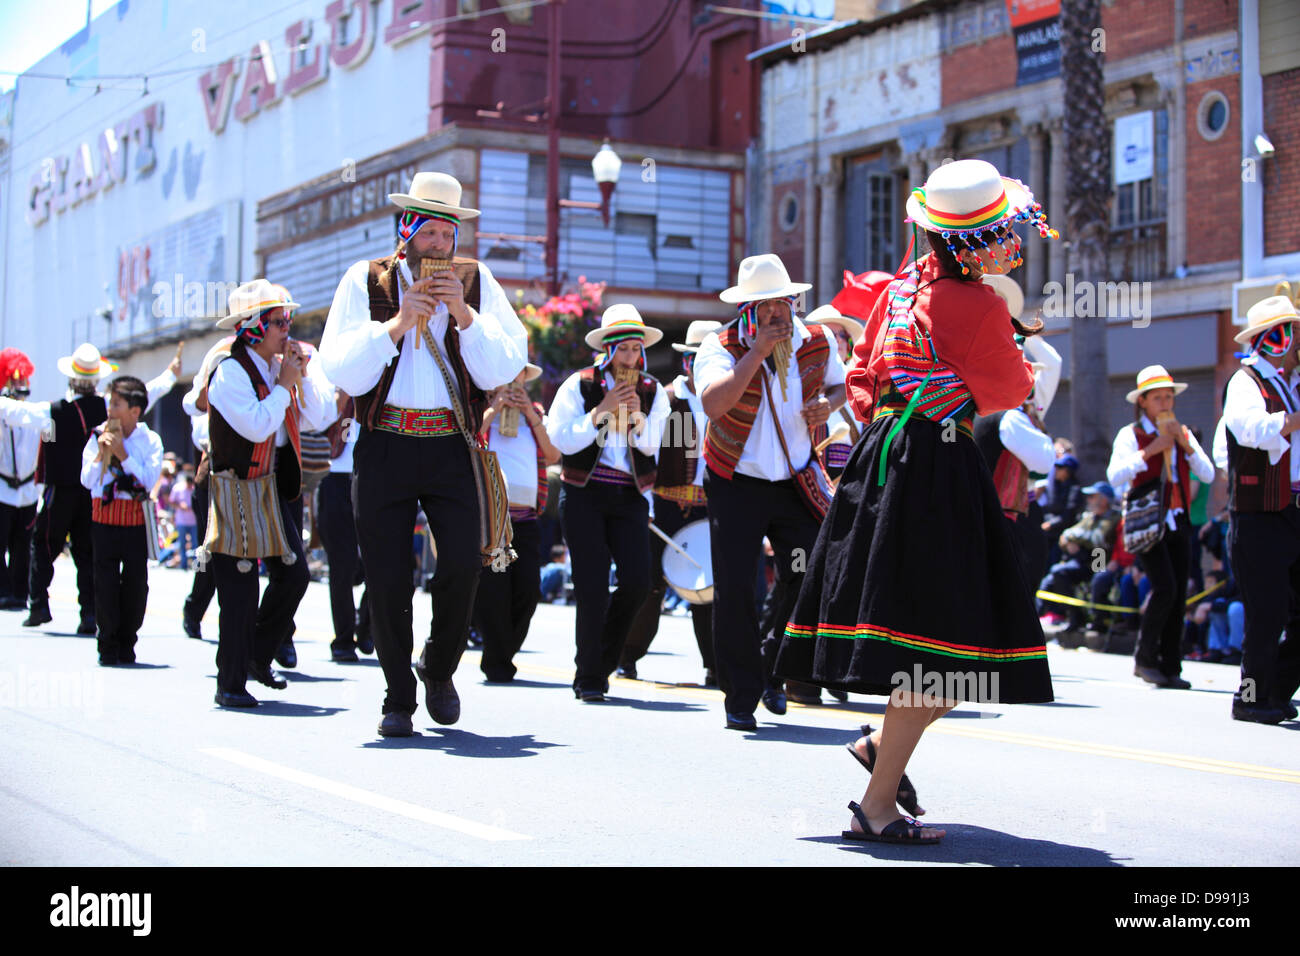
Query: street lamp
x=605 y=166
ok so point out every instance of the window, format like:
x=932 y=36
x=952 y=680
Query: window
x=1142 y=198
x=1212 y=115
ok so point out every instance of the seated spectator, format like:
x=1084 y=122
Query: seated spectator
x=183 y=517
x=1086 y=548
x=555 y=575
x=1064 y=503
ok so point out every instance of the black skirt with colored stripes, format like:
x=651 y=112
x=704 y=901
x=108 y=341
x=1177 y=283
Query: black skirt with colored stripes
x=915 y=585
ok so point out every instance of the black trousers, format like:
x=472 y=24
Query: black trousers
x=604 y=522
x=15 y=549
x=338 y=533
x=121 y=586
x=670 y=519
x=204 y=585
x=506 y=601
x=66 y=514
x=393 y=477
x=1160 y=635
x=742 y=511
x=253 y=631
x=1264 y=548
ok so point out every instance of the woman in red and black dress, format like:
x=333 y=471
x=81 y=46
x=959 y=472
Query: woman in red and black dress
x=914 y=589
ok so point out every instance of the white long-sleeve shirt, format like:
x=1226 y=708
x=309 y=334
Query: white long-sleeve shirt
x=572 y=428
x=231 y=392
x=1245 y=413
x=518 y=457
x=682 y=390
x=144 y=453
x=1026 y=442
x=20 y=414
x=762 y=456
x=1127 y=462
x=355 y=350
x=19 y=448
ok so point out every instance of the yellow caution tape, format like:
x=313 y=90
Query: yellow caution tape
x=1075 y=602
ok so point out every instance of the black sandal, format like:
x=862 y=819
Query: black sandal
x=905 y=830
x=906 y=797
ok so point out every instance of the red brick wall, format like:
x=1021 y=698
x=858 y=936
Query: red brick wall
x=1201 y=17
x=1281 y=172
x=978 y=69
x=1214 y=178
x=1138 y=26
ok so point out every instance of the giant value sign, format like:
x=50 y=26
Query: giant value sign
x=352 y=28
x=63 y=181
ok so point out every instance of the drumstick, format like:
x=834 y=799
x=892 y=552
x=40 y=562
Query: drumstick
x=675 y=546
x=838 y=434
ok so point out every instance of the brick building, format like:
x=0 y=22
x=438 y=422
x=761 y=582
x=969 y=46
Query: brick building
x=859 y=112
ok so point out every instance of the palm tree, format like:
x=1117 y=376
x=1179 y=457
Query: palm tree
x=1087 y=194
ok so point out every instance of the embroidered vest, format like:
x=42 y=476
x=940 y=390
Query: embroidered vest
x=382 y=284
x=725 y=437
x=1253 y=483
x=1010 y=474
x=230 y=449
x=107 y=508
x=59 y=461
x=680 y=449
x=577 y=468
x=1152 y=473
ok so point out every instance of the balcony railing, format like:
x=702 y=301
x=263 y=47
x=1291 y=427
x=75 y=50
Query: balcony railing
x=1137 y=252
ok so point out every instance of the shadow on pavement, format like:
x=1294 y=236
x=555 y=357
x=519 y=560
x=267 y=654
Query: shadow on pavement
x=659 y=705
x=1059 y=703
x=359 y=662
x=284 y=708
x=461 y=743
x=142 y=666
x=517 y=682
x=297 y=677
x=971 y=844
x=878 y=710
x=797 y=733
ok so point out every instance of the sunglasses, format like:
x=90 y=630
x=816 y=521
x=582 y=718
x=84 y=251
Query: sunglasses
x=280 y=323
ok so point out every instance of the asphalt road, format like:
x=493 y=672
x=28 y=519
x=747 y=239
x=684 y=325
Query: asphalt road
x=129 y=766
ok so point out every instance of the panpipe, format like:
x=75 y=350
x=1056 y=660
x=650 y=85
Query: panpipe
x=111 y=427
x=508 y=420
x=1168 y=452
x=429 y=268
x=781 y=362
x=625 y=376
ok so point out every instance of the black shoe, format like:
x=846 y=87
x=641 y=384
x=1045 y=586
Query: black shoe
x=1288 y=709
x=841 y=695
x=741 y=722
x=13 y=604
x=627 y=671
x=345 y=656
x=396 y=725
x=264 y=675
x=709 y=679
x=108 y=660
x=40 y=615
x=1151 y=675
x=591 y=697
x=1174 y=682
x=810 y=695
x=440 y=698
x=774 y=700
x=126 y=657
x=1232 y=657
x=1257 y=713
x=365 y=643
x=287 y=655
x=228 y=699
x=86 y=627
x=191 y=629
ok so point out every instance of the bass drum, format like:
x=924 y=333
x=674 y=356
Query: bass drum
x=694 y=582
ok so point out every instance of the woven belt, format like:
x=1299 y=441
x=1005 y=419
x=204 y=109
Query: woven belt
x=419 y=422
x=120 y=512
x=611 y=476
x=965 y=424
x=683 y=494
x=522 y=513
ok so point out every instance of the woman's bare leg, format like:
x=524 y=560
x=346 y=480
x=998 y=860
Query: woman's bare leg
x=906 y=718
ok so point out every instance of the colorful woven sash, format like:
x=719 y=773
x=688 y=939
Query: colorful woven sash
x=611 y=476
x=418 y=422
x=121 y=512
x=689 y=495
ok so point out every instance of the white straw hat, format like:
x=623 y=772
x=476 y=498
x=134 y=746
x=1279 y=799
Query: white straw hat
x=1266 y=313
x=762 y=277
x=621 y=317
x=696 y=333
x=829 y=315
x=434 y=193
x=1152 y=377
x=252 y=298
x=85 y=362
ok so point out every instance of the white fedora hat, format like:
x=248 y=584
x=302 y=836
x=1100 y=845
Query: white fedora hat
x=762 y=277
x=970 y=196
x=85 y=362
x=622 y=318
x=532 y=371
x=254 y=297
x=434 y=193
x=829 y=315
x=1152 y=377
x=696 y=333
x=1009 y=289
x=1266 y=313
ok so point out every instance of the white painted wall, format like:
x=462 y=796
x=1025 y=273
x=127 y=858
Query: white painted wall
x=56 y=270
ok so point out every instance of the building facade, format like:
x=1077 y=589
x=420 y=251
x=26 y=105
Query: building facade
x=862 y=111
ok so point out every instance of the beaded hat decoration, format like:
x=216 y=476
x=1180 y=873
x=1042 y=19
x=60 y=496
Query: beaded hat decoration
x=970 y=202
